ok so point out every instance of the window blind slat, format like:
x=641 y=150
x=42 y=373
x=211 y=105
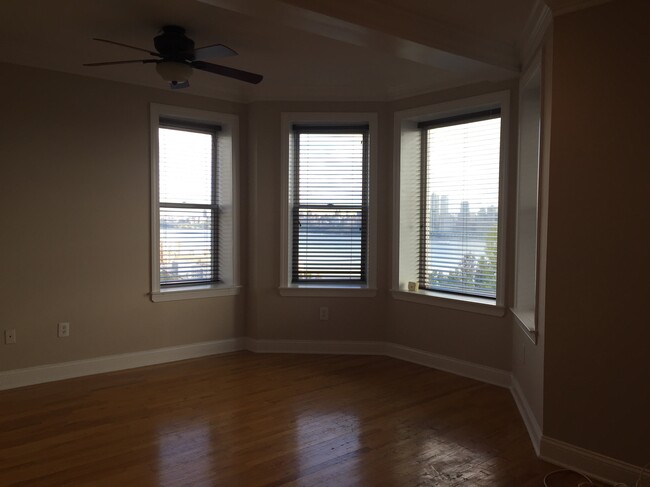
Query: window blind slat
x=188 y=204
x=330 y=207
x=460 y=200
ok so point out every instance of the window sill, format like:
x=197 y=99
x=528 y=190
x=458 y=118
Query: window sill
x=333 y=291
x=526 y=321
x=462 y=303
x=194 y=292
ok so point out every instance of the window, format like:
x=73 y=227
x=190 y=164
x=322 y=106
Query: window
x=328 y=205
x=188 y=203
x=193 y=211
x=459 y=201
x=450 y=196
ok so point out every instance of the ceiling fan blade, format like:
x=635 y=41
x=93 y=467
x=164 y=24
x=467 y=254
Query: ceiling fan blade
x=126 y=45
x=213 y=52
x=143 y=61
x=229 y=72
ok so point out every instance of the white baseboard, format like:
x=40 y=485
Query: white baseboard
x=526 y=413
x=596 y=466
x=109 y=363
x=67 y=370
x=421 y=357
x=315 y=346
x=482 y=373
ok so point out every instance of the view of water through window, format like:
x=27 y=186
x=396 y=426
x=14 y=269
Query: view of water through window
x=188 y=213
x=330 y=214
x=461 y=208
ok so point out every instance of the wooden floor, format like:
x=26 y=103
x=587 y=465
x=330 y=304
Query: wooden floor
x=246 y=419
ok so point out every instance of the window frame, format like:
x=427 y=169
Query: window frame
x=406 y=251
x=213 y=131
x=332 y=289
x=532 y=80
x=363 y=207
x=227 y=161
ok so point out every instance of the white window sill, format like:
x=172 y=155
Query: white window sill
x=443 y=300
x=526 y=321
x=194 y=292
x=332 y=291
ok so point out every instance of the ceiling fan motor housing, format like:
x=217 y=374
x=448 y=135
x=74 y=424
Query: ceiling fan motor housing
x=174 y=45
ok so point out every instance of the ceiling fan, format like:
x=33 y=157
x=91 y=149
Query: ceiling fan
x=177 y=57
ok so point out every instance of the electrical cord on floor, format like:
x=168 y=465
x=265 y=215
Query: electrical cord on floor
x=581 y=484
x=590 y=482
x=640 y=479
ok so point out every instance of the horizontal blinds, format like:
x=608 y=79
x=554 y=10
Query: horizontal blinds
x=188 y=204
x=459 y=221
x=330 y=207
x=187 y=245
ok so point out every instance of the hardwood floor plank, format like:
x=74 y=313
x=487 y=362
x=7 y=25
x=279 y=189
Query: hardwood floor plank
x=246 y=419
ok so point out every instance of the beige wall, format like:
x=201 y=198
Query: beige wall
x=597 y=373
x=468 y=336
x=75 y=223
x=269 y=315
x=473 y=337
x=76 y=200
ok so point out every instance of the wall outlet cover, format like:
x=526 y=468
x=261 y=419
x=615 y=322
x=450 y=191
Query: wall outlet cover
x=63 y=329
x=10 y=337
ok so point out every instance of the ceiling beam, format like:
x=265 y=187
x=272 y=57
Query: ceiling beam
x=392 y=31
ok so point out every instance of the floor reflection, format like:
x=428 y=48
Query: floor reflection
x=326 y=437
x=185 y=447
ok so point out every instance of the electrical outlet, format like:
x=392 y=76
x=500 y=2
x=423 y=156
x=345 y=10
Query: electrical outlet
x=63 y=329
x=10 y=337
x=324 y=313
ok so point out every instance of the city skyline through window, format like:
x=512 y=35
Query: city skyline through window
x=460 y=207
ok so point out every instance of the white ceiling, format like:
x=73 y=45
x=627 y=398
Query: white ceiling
x=306 y=49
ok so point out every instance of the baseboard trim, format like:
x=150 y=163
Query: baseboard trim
x=110 y=363
x=315 y=346
x=526 y=413
x=441 y=362
x=67 y=370
x=478 y=372
x=596 y=466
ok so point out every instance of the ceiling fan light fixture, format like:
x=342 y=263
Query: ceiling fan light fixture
x=177 y=58
x=174 y=71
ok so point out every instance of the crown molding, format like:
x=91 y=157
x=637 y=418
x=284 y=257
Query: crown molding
x=561 y=7
x=537 y=26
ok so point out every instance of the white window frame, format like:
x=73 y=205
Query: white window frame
x=529 y=163
x=287 y=288
x=407 y=234
x=229 y=218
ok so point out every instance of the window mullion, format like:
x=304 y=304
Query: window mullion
x=197 y=206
